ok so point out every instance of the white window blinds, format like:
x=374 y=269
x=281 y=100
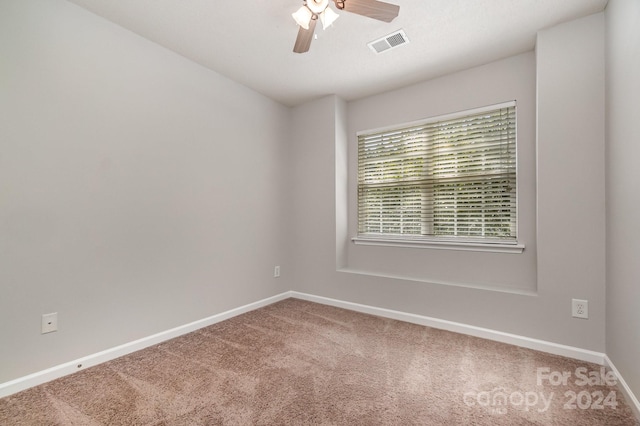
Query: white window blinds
x=452 y=177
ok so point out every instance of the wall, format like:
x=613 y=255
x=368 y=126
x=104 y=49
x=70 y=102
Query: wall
x=562 y=261
x=134 y=197
x=507 y=80
x=571 y=167
x=623 y=198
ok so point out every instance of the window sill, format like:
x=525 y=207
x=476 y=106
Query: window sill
x=440 y=245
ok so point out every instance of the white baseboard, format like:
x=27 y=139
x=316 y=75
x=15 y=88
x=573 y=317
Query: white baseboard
x=626 y=390
x=485 y=333
x=40 y=377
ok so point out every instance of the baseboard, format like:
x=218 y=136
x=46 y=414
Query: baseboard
x=626 y=390
x=485 y=333
x=44 y=376
x=38 y=378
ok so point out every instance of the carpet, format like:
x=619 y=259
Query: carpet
x=302 y=363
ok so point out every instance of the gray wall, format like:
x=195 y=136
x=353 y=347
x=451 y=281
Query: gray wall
x=561 y=261
x=623 y=194
x=134 y=195
x=511 y=79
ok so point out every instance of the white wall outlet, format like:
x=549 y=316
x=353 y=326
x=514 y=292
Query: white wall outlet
x=49 y=323
x=580 y=308
x=276 y=271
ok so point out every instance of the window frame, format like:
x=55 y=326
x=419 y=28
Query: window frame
x=445 y=242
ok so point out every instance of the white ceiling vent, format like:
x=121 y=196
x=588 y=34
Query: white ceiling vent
x=388 y=42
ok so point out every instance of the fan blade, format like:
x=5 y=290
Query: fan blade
x=303 y=42
x=372 y=8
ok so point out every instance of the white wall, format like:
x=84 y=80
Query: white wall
x=623 y=196
x=568 y=69
x=138 y=190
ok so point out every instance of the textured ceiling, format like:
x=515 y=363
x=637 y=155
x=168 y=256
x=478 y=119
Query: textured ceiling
x=252 y=41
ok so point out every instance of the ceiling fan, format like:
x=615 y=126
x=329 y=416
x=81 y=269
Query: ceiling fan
x=308 y=15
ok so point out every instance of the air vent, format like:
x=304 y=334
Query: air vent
x=388 y=42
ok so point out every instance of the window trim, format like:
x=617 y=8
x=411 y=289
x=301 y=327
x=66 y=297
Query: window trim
x=444 y=243
x=428 y=243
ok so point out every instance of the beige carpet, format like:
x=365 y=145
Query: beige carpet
x=297 y=362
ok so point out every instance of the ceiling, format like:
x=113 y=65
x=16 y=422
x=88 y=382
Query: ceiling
x=251 y=41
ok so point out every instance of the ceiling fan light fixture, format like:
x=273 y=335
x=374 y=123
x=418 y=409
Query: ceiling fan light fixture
x=317 y=6
x=328 y=17
x=303 y=16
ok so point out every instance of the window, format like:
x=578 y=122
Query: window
x=450 y=178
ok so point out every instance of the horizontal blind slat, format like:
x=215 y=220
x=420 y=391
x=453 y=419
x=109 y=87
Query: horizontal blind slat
x=452 y=177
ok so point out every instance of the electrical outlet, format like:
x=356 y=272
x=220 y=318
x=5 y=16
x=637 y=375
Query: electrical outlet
x=580 y=308
x=276 y=271
x=49 y=323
